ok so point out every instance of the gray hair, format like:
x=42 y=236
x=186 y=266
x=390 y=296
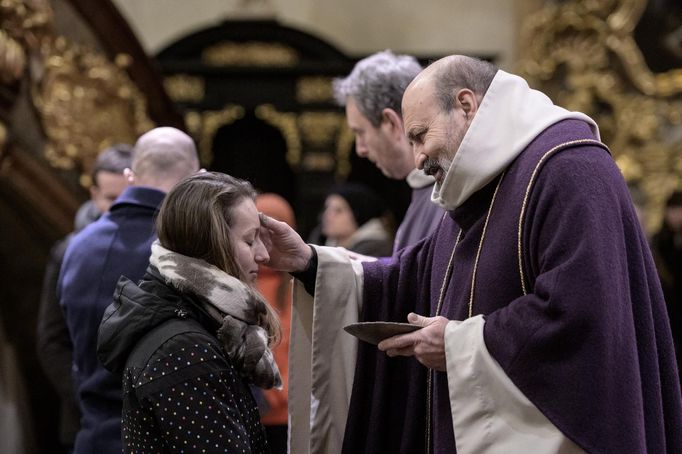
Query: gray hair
x=378 y=82
x=462 y=72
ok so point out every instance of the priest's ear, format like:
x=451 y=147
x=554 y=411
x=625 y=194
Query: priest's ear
x=467 y=101
x=391 y=123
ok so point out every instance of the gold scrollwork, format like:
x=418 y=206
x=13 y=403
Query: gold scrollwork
x=286 y=123
x=12 y=59
x=318 y=162
x=584 y=55
x=320 y=128
x=250 y=53
x=205 y=124
x=184 y=88
x=314 y=89
x=344 y=147
x=86 y=103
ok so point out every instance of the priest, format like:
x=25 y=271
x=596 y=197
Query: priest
x=543 y=323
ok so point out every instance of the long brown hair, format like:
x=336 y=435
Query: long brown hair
x=195 y=220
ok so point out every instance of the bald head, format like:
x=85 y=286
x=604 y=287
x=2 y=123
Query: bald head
x=452 y=73
x=162 y=157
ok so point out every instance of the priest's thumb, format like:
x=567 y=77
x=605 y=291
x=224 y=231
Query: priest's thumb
x=417 y=319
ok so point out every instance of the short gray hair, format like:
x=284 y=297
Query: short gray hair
x=378 y=82
x=462 y=72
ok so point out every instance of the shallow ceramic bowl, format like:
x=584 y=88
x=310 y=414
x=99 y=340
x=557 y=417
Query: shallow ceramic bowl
x=375 y=332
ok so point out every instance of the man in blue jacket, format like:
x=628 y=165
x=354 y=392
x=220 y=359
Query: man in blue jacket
x=119 y=243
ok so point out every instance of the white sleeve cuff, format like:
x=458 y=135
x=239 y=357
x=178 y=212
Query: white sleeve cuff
x=489 y=413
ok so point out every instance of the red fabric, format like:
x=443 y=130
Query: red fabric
x=275 y=287
x=269 y=285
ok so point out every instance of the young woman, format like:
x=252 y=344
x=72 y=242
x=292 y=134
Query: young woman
x=194 y=333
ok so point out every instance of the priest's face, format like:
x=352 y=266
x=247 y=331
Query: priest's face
x=434 y=134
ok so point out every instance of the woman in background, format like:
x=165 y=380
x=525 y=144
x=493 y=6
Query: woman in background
x=194 y=333
x=352 y=219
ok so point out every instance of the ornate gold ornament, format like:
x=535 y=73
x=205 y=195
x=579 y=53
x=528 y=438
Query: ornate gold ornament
x=12 y=59
x=184 y=88
x=314 y=89
x=319 y=162
x=251 y=53
x=85 y=101
x=204 y=125
x=344 y=147
x=287 y=125
x=320 y=129
x=583 y=54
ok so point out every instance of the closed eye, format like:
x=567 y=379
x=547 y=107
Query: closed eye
x=416 y=136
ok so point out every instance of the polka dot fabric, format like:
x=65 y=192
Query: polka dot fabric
x=189 y=399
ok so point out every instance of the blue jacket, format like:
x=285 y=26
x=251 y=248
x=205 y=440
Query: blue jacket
x=119 y=243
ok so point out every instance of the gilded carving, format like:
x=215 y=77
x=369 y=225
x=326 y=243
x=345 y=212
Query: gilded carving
x=584 y=55
x=287 y=125
x=319 y=162
x=251 y=53
x=344 y=147
x=184 y=88
x=204 y=125
x=320 y=129
x=12 y=59
x=85 y=101
x=314 y=89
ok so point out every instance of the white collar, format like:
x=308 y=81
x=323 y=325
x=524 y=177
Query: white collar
x=417 y=179
x=510 y=116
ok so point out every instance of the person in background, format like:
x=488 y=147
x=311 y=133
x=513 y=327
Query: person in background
x=54 y=347
x=117 y=243
x=371 y=94
x=194 y=333
x=352 y=219
x=276 y=288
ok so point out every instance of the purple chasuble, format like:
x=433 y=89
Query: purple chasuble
x=589 y=344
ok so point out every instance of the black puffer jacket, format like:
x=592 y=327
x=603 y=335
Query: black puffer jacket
x=180 y=391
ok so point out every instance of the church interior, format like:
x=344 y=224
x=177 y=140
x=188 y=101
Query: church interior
x=251 y=82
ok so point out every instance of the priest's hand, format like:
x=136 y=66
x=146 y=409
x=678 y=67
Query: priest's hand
x=426 y=344
x=287 y=250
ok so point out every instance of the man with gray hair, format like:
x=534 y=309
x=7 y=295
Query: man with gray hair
x=372 y=94
x=119 y=243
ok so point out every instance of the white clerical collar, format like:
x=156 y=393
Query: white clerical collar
x=417 y=179
x=509 y=117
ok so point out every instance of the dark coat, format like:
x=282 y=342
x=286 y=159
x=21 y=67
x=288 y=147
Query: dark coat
x=180 y=391
x=54 y=347
x=119 y=243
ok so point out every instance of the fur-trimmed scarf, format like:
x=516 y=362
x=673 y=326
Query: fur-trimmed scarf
x=240 y=311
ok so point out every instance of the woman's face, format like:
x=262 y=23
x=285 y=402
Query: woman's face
x=249 y=250
x=337 y=219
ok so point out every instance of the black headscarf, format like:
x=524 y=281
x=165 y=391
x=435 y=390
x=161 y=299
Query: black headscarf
x=363 y=201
